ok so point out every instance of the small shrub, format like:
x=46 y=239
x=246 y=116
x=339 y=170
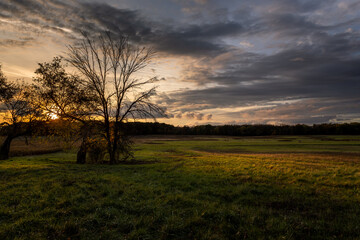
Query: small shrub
x=96 y=151
x=124 y=151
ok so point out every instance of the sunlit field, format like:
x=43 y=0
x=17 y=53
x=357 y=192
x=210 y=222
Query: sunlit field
x=188 y=187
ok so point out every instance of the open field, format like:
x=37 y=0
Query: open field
x=187 y=187
x=33 y=146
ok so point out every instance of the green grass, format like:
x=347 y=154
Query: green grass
x=202 y=188
x=286 y=144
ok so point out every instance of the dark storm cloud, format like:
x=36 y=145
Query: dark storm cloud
x=189 y=40
x=117 y=20
x=195 y=40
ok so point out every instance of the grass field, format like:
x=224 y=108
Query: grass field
x=189 y=188
x=34 y=146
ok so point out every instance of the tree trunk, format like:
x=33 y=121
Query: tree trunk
x=5 y=148
x=109 y=141
x=81 y=154
x=115 y=142
x=111 y=156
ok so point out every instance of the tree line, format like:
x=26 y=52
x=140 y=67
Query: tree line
x=60 y=127
x=146 y=128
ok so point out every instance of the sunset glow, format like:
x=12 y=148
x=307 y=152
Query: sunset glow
x=222 y=62
x=53 y=116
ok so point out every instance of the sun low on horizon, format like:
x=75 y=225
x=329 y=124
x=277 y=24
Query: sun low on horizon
x=53 y=116
x=220 y=62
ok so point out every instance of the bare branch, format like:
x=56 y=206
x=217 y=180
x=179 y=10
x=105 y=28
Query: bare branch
x=107 y=65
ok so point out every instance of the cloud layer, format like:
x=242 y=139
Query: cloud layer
x=279 y=61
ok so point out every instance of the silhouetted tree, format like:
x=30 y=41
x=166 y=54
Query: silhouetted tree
x=108 y=64
x=18 y=114
x=60 y=94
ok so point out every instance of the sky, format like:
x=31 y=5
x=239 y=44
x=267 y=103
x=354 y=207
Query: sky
x=223 y=61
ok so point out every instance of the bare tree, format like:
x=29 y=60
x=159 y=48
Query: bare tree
x=18 y=114
x=108 y=65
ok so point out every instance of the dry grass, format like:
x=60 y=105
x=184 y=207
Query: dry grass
x=34 y=146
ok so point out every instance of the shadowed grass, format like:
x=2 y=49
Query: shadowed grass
x=33 y=146
x=189 y=190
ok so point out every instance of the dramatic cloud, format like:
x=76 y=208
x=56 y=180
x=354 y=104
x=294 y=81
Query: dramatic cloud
x=290 y=61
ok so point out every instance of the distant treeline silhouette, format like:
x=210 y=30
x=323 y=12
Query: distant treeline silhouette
x=141 y=128
x=156 y=128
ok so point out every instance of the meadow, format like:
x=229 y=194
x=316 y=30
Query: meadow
x=189 y=187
